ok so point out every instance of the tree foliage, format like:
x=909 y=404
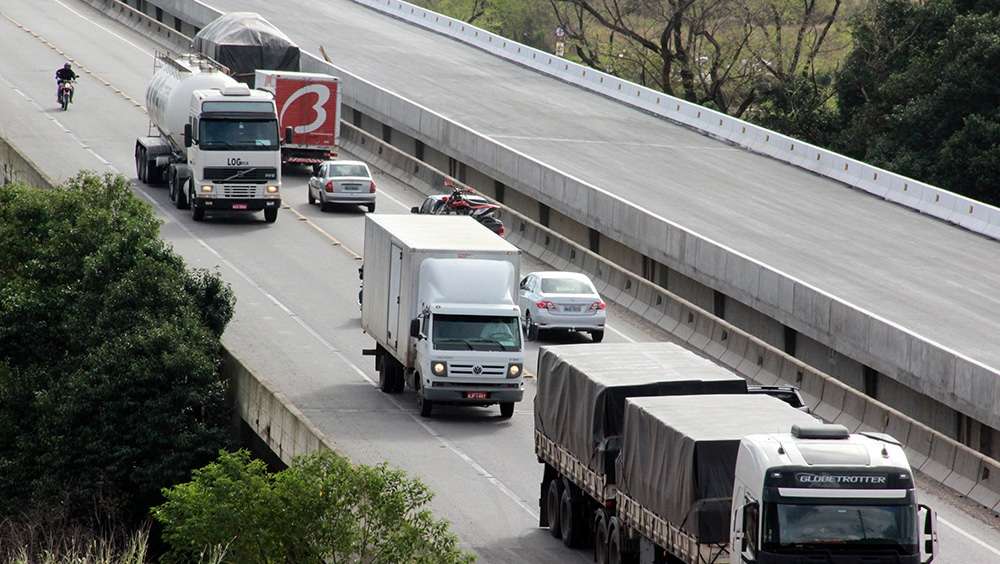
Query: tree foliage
x=320 y=509
x=112 y=389
x=920 y=92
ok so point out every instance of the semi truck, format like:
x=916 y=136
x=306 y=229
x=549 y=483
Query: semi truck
x=308 y=113
x=440 y=301
x=213 y=140
x=655 y=467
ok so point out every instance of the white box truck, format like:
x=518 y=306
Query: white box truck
x=440 y=301
x=654 y=455
x=216 y=144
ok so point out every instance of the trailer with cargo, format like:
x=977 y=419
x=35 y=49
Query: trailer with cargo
x=308 y=113
x=212 y=140
x=686 y=475
x=440 y=301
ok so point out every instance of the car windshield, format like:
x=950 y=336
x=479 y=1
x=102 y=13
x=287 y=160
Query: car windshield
x=565 y=286
x=845 y=526
x=238 y=134
x=476 y=332
x=348 y=170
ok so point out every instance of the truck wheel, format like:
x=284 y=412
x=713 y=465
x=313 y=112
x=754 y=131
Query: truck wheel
x=597 y=336
x=426 y=406
x=618 y=552
x=552 y=508
x=182 y=199
x=197 y=213
x=383 y=376
x=569 y=520
x=600 y=537
x=139 y=157
x=506 y=409
x=270 y=215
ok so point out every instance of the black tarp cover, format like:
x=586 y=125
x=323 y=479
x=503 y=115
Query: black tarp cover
x=580 y=402
x=245 y=42
x=678 y=454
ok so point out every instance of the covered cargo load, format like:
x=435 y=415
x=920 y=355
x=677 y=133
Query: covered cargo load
x=580 y=402
x=678 y=455
x=244 y=42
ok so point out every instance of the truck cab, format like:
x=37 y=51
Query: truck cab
x=823 y=493
x=467 y=337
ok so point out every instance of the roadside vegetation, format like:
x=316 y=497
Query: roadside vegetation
x=114 y=427
x=907 y=86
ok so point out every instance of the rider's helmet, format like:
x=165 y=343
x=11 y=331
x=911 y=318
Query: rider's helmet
x=67 y=66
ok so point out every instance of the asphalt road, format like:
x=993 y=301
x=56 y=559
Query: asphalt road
x=296 y=282
x=876 y=255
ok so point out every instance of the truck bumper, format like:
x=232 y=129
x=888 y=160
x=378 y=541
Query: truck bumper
x=235 y=204
x=458 y=397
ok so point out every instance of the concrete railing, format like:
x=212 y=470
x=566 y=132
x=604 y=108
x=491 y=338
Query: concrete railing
x=971 y=214
x=15 y=166
x=164 y=35
x=278 y=423
x=911 y=359
x=943 y=459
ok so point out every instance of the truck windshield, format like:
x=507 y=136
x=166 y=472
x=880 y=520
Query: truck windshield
x=476 y=332
x=891 y=527
x=238 y=134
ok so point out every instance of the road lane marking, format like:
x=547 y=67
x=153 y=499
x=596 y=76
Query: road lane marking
x=138 y=48
x=969 y=536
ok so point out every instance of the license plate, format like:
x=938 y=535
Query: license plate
x=351 y=188
x=477 y=395
x=571 y=308
x=239 y=206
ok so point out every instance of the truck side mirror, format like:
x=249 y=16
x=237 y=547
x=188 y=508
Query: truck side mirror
x=415 y=328
x=187 y=135
x=288 y=136
x=415 y=209
x=928 y=536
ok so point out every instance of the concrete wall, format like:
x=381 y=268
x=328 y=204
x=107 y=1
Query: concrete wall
x=16 y=167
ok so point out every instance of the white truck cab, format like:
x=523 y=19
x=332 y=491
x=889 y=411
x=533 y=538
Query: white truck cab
x=822 y=492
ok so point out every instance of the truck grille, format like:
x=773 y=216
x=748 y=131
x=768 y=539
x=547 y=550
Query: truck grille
x=239 y=192
x=257 y=175
x=485 y=369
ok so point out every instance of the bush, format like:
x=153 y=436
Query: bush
x=112 y=389
x=321 y=509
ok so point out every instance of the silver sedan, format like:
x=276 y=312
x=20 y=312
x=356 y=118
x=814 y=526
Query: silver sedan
x=564 y=301
x=343 y=182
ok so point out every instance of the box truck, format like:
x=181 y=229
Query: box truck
x=667 y=459
x=214 y=142
x=440 y=301
x=308 y=113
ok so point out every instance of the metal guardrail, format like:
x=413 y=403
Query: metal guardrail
x=943 y=459
x=948 y=206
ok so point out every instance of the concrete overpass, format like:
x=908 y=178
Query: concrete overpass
x=285 y=277
x=891 y=301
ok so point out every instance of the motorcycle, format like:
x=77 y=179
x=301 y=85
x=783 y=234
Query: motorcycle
x=483 y=212
x=65 y=94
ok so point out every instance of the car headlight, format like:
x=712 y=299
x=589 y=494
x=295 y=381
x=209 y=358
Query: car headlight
x=272 y=189
x=513 y=370
x=206 y=187
x=439 y=368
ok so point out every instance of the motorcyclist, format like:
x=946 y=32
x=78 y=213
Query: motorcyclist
x=65 y=74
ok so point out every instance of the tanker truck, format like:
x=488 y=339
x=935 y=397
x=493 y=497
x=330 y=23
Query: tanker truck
x=213 y=140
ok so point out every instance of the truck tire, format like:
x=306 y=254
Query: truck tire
x=426 y=406
x=197 y=212
x=601 y=537
x=270 y=215
x=383 y=375
x=506 y=409
x=597 y=336
x=618 y=550
x=552 y=508
x=140 y=156
x=571 y=531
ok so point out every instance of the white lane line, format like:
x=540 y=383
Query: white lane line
x=612 y=143
x=969 y=536
x=106 y=30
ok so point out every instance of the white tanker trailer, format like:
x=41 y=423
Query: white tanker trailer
x=216 y=142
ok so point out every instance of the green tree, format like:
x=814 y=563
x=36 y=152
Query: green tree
x=320 y=509
x=920 y=94
x=112 y=389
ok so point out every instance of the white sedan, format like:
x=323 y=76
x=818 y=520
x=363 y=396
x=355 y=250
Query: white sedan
x=564 y=301
x=343 y=182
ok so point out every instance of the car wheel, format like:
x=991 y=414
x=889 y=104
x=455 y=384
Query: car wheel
x=312 y=199
x=597 y=336
x=530 y=329
x=371 y=208
x=322 y=202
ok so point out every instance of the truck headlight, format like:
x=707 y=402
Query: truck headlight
x=439 y=368
x=206 y=187
x=272 y=189
x=513 y=370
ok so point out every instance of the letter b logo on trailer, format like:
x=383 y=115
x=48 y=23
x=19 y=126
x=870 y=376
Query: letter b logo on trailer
x=309 y=107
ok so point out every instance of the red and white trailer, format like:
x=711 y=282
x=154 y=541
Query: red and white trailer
x=309 y=104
